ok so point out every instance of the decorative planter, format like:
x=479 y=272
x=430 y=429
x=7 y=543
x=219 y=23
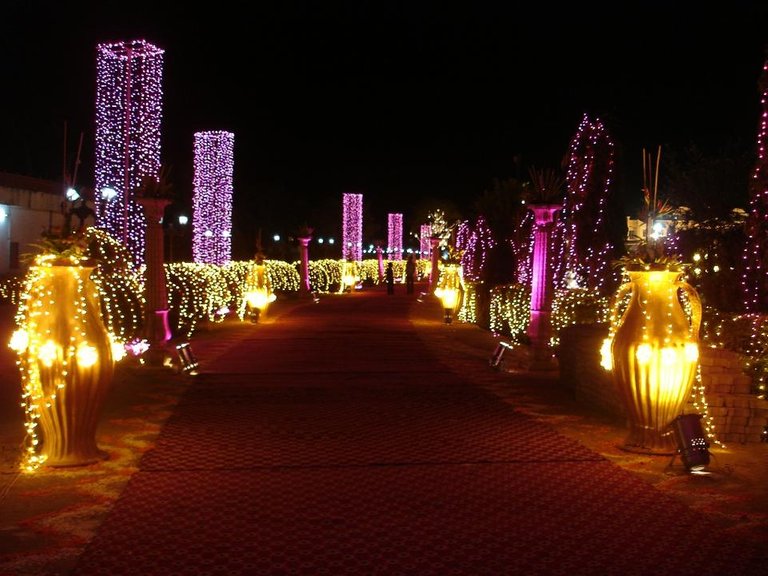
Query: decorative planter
x=654 y=354
x=65 y=357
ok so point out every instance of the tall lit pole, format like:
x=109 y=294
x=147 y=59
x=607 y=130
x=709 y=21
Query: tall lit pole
x=128 y=117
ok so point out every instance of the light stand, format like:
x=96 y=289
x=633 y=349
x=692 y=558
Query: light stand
x=691 y=442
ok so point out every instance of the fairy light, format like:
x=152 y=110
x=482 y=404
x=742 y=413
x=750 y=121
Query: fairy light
x=510 y=310
x=475 y=242
x=753 y=279
x=37 y=340
x=212 y=197
x=352 y=227
x=585 y=250
x=128 y=117
x=395 y=236
x=425 y=233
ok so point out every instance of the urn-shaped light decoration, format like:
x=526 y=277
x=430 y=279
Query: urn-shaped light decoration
x=66 y=361
x=653 y=353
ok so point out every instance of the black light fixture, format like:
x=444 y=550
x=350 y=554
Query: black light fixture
x=691 y=441
x=187 y=357
x=499 y=353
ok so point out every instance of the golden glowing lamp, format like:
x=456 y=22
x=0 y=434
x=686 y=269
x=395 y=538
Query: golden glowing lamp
x=259 y=298
x=449 y=290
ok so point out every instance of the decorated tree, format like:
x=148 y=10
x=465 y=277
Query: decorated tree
x=586 y=246
x=754 y=279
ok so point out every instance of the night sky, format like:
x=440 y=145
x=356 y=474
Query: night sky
x=412 y=103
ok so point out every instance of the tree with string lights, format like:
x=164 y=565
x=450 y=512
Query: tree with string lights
x=754 y=278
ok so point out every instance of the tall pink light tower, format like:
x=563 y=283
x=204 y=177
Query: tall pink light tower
x=352 y=227
x=212 y=197
x=395 y=229
x=425 y=233
x=129 y=100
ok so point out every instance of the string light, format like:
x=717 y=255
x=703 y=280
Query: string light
x=754 y=279
x=352 y=227
x=581 y=240
x=212 y=197
x=395 y=236
x=128 y=117
x=425 y=233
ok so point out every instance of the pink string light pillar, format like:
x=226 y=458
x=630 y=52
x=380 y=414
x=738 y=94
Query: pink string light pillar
x=425 y=233
x=352 y=227
x=395 y=229
x=212 y=197
x=128 y=116
x=540 y=326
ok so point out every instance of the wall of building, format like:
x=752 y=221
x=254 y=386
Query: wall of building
x=31 y=207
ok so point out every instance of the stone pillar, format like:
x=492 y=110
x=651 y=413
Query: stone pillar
x=434 y=255
x=304 y=288
x=540 y=327
x=380 y=256
x=156 y=328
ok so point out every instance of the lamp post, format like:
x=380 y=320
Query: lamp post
x=450 y=290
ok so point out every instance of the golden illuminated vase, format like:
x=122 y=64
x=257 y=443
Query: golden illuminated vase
x=67 y=365
x=654 y=353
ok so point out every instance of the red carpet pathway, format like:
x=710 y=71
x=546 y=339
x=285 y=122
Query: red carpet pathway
x=330 y=442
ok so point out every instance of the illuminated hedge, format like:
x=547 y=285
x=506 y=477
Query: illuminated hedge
x=510 y=311
x=468 y=311
x=577 y=306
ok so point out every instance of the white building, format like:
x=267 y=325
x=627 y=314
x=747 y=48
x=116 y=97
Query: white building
x=29 y=207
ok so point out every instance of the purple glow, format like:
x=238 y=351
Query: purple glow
x=425 y=233
x=540 y=282
x=395 y=242
x=128 y=115
x=212 y=199
x=352 y=241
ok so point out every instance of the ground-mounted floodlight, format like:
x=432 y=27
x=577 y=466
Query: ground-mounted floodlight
x=498 y=353
x=691 y=442
x=187 y=358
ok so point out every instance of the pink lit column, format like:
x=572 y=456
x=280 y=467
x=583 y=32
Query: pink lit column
x=129 y=103
x=425 y=233
x=157 y=330
x=380 y=257
x=540 y=327
x=434 y=254
x=304 y=241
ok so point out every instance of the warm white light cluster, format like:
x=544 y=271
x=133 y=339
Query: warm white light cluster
x=128 y=117
x=212 y=197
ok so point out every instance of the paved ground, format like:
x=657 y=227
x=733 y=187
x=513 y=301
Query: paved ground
x=409 y=455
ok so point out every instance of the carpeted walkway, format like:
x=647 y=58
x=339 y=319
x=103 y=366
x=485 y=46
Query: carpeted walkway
x=331 y=442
